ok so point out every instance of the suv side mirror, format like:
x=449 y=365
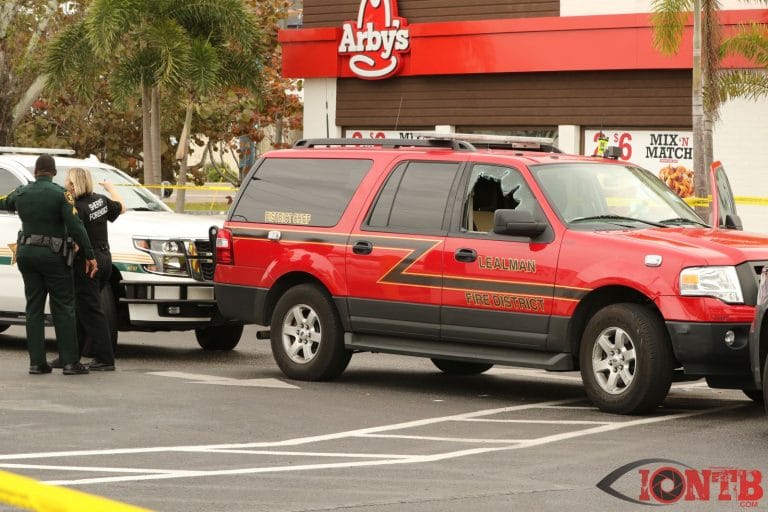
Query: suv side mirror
x=518 y=223
x=733 y=221
x=165 y=189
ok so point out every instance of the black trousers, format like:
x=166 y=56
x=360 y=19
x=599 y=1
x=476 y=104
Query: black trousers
x=92 y=327
x=45 y=273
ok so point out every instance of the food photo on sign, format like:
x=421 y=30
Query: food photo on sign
x=666 y=153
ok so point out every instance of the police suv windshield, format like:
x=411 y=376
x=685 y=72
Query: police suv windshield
x=585 y=193
x=136 y=197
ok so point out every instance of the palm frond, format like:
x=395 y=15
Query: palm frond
x=107 y=21
x=668 y=19
x=750 y=41
x=171 y=45
x=742 y=83
x=241 y=70
x=204 y=67
x=230 y=18
x=70 y=61
x=129 y=75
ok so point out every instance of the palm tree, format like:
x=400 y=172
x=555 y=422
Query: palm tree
x=156 y=46
x=710 y=85
x=212 y=65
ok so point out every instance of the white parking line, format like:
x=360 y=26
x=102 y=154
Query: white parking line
x=312 y=454
x=127 y=474
x=97 y=469
x=198 y=378
x=543 y=422
x=449 y=439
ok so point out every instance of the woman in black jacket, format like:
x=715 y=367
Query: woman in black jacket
x=94 y=210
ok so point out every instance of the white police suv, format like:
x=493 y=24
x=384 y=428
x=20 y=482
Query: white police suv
x=162 y=260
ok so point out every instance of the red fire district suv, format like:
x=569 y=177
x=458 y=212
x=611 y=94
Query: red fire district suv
x=477 y=254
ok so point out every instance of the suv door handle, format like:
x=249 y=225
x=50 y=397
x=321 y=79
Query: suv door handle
x=362 y=247
x=465 y=255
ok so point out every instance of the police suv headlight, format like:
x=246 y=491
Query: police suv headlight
x=169 y=256
x=719 y=282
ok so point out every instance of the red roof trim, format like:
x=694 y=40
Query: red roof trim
x=575 y=43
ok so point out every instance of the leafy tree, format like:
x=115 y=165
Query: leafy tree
x=711 y=85
x=25 y=25
x=152 y=47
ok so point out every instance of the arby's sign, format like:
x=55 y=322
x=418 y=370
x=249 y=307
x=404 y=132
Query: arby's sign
x=377 y=41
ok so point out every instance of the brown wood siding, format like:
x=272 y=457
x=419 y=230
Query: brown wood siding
x=596 y=98
x=332 y=13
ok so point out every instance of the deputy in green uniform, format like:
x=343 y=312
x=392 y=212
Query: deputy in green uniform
x=48 y=215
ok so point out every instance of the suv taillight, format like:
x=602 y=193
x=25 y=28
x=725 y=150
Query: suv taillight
x=224 y=254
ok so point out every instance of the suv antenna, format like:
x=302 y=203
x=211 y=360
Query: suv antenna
x=327 y=121
x=399 y=108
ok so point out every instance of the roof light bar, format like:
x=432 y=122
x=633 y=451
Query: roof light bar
x=36 y=151
x=496 y=141
x=484 y=138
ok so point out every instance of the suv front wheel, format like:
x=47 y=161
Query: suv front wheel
x=626 y=359
x=307 y=336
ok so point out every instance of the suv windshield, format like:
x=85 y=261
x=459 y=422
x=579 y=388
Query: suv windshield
x=135 y=195
x=589 y=192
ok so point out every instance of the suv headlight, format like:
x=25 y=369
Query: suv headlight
x=719 y=282
x=169 y=256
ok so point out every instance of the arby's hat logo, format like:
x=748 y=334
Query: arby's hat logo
x=377 y=41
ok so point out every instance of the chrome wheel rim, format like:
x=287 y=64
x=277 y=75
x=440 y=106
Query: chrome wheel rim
x=302 y=334
x=614 y=360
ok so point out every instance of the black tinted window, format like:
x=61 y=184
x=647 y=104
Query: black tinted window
x=300 y=191
x=415 y=197
x=8 y=182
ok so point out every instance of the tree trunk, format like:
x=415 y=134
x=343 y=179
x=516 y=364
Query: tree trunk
x=157 y=150
x=700 y=180
x=21 y=109
x=146 y=132
x=183 y=155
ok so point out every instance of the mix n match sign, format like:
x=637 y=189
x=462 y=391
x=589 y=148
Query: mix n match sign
x=666 y=153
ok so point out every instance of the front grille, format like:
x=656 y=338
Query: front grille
x=749 y=277
x=201 y=260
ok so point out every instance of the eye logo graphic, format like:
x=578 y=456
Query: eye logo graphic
x=667 y=482
x=376 y=41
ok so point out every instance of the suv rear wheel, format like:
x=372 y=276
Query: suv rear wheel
x=307 y=336
x=626 y=359
x=461 y=367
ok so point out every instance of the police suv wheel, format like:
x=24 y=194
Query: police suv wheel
x=219 y=337
x=765 y=385
x=461 y=367
x=4 y=327
x=306 y=335
x=626 y=359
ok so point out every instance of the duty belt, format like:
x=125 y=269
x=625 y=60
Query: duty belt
x=52 y=242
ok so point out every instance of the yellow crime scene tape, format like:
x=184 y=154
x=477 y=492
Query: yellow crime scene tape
x=28 y=494
x=181 y=187
x=747 y=200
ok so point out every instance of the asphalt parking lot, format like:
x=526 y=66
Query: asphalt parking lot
x=180 y=429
